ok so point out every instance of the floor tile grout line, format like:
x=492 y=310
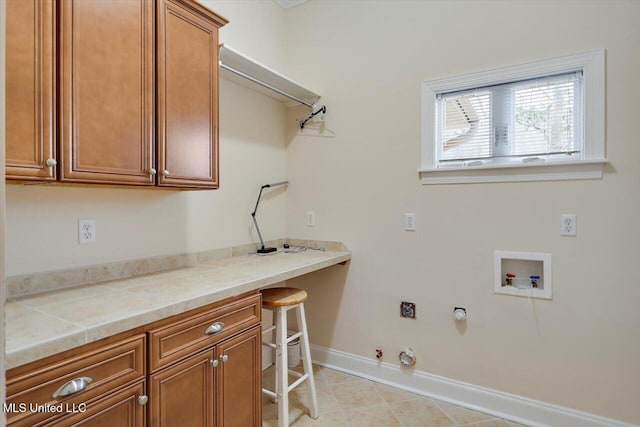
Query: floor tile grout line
x=435 y=402
x=471 y=424
x=479 y=423
x=387 y=404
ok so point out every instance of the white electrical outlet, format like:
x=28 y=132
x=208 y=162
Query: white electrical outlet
x=568 y=225
x=86 y=231
x=410 y=222
x=311 y=218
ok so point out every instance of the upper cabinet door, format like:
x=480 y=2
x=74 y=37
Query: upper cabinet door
x=30 y=41
x=187 y=90
x=106 y=91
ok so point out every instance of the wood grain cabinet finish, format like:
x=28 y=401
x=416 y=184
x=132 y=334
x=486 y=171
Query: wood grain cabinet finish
x=212 y=383
x=120 y=409
x=30 y=83
x=110 y=367
x=86 y=103
x=187 y=94
x=218 y=387
x=106 y=91
x=183 y=394
x=188 y=335
x=239 y=380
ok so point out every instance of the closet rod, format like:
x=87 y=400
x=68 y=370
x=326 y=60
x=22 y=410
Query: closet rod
x=266 y=85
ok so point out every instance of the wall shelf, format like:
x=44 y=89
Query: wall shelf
x=247 y=72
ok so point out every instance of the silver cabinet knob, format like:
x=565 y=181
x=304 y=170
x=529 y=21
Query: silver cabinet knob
x=165 y=172
x=224 y=358
x=74 y=386
x=152 y=171
x=213 y=362
x=143 y=399
x=214 y=328
x=51 y=162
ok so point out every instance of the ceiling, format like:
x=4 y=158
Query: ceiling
x=289 y=3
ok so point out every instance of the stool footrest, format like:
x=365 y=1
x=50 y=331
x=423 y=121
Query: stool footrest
x=297 y=382
x=269 y=393
x=268 y=329
x=295 y=373
x=294 y=336
x=269 y=344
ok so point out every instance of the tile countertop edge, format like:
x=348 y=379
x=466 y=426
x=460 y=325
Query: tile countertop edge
x=50 y=345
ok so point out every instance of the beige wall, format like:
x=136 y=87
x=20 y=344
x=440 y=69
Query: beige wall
x=367 y=59
x=134 y=223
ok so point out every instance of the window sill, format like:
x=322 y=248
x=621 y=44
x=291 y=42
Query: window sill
x=556 y=171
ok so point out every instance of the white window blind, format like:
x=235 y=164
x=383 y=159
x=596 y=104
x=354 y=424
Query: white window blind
x=524 y=120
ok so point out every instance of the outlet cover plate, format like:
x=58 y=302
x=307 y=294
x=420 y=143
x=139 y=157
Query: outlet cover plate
x=568 y=225
x=86 y=231
x=410 y=222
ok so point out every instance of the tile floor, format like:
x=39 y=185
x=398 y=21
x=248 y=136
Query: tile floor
x=347 y=400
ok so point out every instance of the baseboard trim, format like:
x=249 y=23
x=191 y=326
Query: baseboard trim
x=500 y=404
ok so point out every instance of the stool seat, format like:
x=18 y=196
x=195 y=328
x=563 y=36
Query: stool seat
x=279 y=297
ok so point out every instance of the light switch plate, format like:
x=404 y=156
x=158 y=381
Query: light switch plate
x=311 y=218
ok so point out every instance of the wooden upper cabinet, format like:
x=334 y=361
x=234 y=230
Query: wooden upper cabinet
x=30 y=65
x=187 y=94
x=106 y=91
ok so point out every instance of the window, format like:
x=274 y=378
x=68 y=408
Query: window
x=536 y=121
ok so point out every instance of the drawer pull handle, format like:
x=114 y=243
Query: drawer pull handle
x=71 y=387
x=224 y=358
x=213 y=362
x=215 y=328
x=51 y=162
x=143 y=399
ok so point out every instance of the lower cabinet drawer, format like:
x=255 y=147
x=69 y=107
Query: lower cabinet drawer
x=77 y=380
x=120 y=409
x=189 y=334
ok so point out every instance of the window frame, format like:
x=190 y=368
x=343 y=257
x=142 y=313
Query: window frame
x=592 y=158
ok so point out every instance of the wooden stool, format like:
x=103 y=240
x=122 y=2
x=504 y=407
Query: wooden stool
x=281 y=300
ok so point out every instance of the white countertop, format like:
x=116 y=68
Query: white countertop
x=44 y=324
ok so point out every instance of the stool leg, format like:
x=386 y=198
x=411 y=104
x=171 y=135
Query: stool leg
x=282 y=380
x=274 y=353
x=306 y=361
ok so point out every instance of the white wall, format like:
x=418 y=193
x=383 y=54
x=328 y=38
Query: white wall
x=134 y=223
x=367 y=59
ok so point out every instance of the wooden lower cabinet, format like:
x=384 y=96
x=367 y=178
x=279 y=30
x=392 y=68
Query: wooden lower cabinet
x=239 y=381
x=121 y=409
x=183 y=394
x=108 y=367
x=117 y=382
x=218 y=387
